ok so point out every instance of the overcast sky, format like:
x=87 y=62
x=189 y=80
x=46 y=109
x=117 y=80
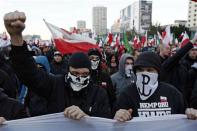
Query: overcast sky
x=65 y=13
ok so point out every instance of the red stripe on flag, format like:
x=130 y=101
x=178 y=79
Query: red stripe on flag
x=184 y=42
x=67 y=47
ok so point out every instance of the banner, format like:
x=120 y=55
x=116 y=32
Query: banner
x=57 y=122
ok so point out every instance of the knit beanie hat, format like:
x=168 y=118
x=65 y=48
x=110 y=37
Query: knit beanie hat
x=79 y=60
x=148 y=59
x=94 y=51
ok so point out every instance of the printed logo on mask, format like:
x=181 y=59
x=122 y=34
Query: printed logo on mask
x=78 y=83
x=146 y=84
x=94 y=64
x=129 y=70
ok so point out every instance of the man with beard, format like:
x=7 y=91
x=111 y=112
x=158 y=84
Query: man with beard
x=74 y=92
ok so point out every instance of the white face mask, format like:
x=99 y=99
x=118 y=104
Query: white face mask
x=78 y=83
x=94 y=64
x=129 y=70
x=146 y=84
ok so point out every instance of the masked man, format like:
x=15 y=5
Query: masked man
x=148 y=96
x=74 y=92
x=100 y=76
x=125 y=76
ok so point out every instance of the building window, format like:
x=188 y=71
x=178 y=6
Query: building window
x=188 y=20
x=194 y=24
x=189 y=25
x=194 y=19
x=189 y=16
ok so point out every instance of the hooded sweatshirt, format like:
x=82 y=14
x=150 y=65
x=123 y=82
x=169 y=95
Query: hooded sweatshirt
x=119 y=79
x=42 y=60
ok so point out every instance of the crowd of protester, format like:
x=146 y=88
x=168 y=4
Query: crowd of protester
x=37 y=80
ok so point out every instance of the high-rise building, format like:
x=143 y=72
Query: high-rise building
x=192 y=14
x=81 y=24
x=99 y=20
x=137 y=16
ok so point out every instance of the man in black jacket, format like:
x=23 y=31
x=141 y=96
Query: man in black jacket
x=100 y=76
x=10 y=108
x=74 y=92
x=148 y=96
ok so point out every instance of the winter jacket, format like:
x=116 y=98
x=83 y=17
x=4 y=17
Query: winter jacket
x=10 y=108
x=92 y=100
x=187 y=61
x=59 y=68
x=7 y=84
x=102 y=79
x=173 y=72
x=193 y=100
x=165 y=100
x=119 y=79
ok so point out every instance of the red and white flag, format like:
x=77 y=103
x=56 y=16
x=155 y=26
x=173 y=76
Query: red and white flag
x=166 y=36
x=185 y=39
x=109 y=39
x=67 y=42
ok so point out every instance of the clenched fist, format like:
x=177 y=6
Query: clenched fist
x=14 y=23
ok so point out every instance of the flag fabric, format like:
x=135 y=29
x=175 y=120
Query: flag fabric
x=166 y=36
x=126 y=43
x=68 y=43
x=185 y=39
x=109 y=38
x=144 y=40
x=195 y=37
x=194 y=0
x=159 y=35
x=135 y=40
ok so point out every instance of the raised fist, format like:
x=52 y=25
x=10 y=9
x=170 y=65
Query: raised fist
x=14 y=23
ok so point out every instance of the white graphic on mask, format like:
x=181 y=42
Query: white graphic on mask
x=146 y=84
x=129 y=70
x=94 y=64
x=154 y=109
x=78 y=83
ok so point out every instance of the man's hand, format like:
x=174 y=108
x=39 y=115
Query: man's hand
x=14 y=24
x=74 y=112
x=123 y=115
x=2 y=120
x=191 y=113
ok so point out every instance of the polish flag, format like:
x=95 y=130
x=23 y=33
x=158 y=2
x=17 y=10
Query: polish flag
x=68 y=43
x=135 y=40
x=166 y=36
x=109 y=38
x=185 y=39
